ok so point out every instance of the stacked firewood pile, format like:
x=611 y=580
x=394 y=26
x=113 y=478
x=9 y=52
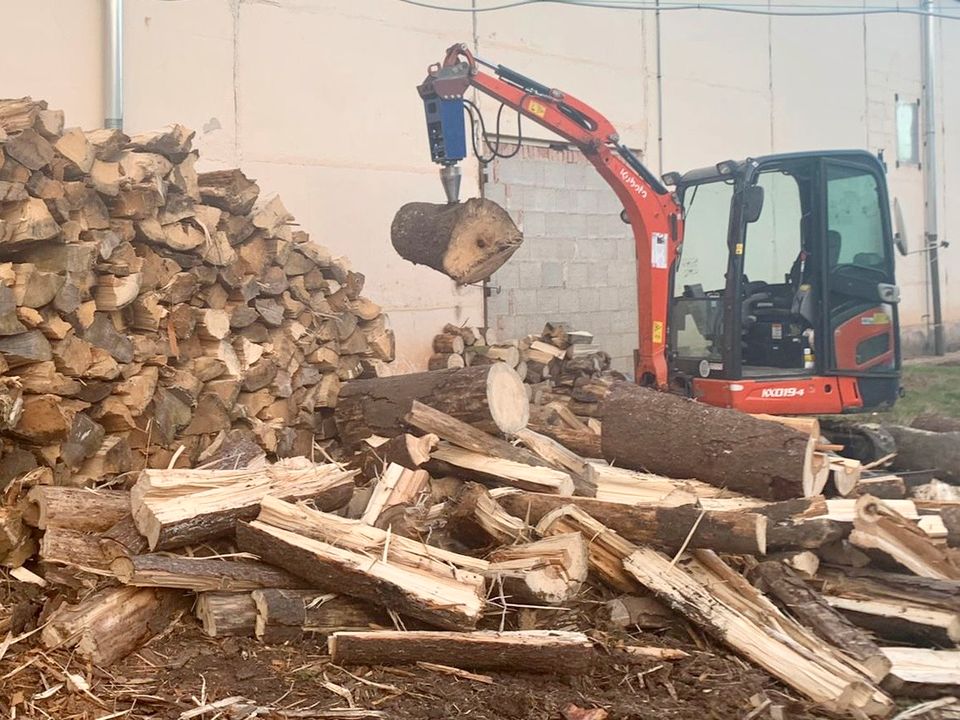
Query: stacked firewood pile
x=560 y=367
x=148 y=310
x=449 y=499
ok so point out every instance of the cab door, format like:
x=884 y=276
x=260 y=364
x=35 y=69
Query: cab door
x=861 y=293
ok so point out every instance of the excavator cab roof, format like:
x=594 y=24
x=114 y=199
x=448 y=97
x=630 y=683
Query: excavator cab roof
x=731 y=169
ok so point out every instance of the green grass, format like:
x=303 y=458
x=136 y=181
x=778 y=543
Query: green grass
x=929 y=388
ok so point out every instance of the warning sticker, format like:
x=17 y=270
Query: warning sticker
x=657 y=331
x=776 y=331
x=658 y=250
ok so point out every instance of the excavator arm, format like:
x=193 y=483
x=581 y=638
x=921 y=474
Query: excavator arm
x=652 y=211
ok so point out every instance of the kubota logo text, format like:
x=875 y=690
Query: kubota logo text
x=633 y=183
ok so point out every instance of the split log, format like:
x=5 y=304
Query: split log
x=666 y=434
x=723 y=604
x=585 y=443
x=80 y=509
x=477 y=520
x=606 y=549
x=396 y=486
x=924 y=449
x=286 y=615
x=358 y=537
x=429 y=420
x=201 y=574
x=900 y=621
x=892 y=587
x=559 y=457
x=16 y=544
x=226 y=614
x=631 y=487
x=809 y=608
x=465 y=241
x=62 y=546
x=491 y=398
x=923 y=673
x=122 y=539
x=544 y=651
x=405 y=450
x=548 y=571
x=661 y=527
x=440 y=601
x=881 y=529
x=111 y=623
x=179 y=507
x=801 y=524
x=496 y=471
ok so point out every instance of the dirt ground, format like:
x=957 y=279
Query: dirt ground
x=183 y=669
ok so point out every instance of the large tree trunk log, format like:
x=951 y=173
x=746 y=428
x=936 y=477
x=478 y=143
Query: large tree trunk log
x=491 y=398
x=935 y=422
x=465 y=241
x=810 y=609
x=544 y=651
x=666 y=434
x=201 y=574
x=927 y=450
x=662 y=527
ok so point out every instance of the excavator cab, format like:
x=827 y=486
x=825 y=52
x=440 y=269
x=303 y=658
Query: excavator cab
x=784 y=294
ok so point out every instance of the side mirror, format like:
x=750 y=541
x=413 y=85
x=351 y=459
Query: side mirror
x=899 y=229
x=752 y=203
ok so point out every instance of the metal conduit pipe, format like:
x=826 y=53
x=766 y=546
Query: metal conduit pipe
x=113 y=64
x=928 y=29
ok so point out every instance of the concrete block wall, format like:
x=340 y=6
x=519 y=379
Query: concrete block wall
x=577 y=262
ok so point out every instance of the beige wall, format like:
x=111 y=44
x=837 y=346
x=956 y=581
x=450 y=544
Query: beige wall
x=316 y=99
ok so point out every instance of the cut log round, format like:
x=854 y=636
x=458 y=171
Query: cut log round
x=663 y=433
x=466 y=241
x=491 y=397
x=445 y=361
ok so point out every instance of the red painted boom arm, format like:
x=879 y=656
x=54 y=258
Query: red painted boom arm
x=656 y=218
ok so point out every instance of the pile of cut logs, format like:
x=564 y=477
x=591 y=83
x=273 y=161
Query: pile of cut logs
x=148 y=311
x=449 y=515
x=560 y=365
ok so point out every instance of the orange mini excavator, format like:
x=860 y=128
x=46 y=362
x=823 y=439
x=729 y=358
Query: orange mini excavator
x=765 y=285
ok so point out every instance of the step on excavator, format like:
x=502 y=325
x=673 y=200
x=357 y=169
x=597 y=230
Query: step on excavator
x=765 y=284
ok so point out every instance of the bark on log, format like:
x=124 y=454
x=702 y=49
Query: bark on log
x=711 y=595
x=666 y=434
x=111 y=623
x=465 y=241
x=180 y=507
x=201 y=574
x=491 y=398
x=934 y=422
x=441 y=602
x=286 y=615
x=224 y=614
x=662 y=527
x=927 y=450
x=544 y=651
x=78 y=509
x=430 y=420
x=810 y=609
x=923 y=673
x=585 y=443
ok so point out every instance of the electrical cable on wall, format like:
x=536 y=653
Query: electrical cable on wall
x=785 y=9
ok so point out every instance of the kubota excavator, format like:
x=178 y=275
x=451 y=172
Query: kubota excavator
x=765 y=285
